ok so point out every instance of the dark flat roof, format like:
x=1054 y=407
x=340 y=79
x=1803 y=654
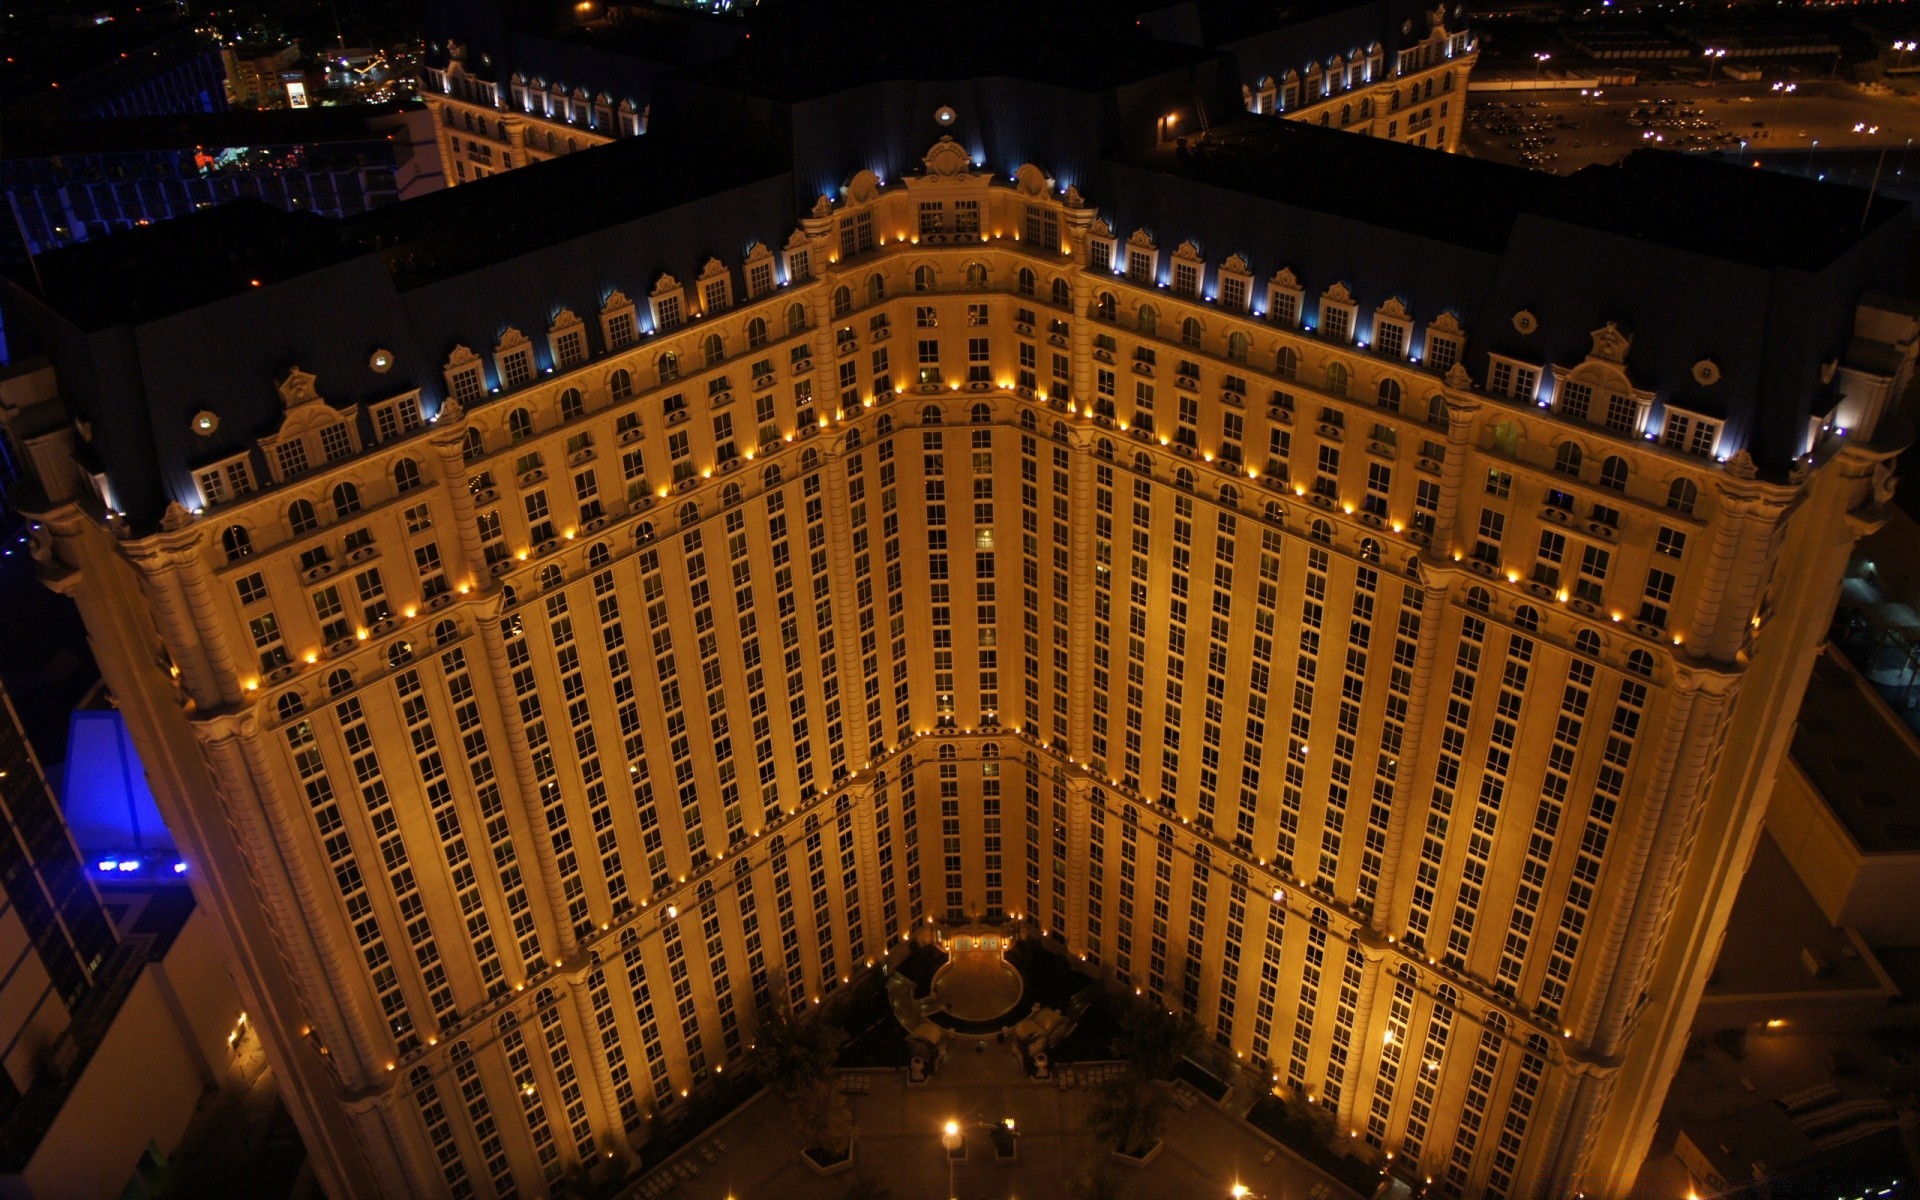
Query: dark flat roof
x=22 y=137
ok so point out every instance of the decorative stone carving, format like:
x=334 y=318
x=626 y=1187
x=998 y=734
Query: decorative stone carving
x=666 y=285
x=1141 y=239
x=1073 y=199
x=1741 y=465
x=1235 y=264
x=1457 y=377
x=297 y=388
x=1339 y=293
x=863 y=188
x=1525 y=322
x=1285 y=278
x=1030 y=180
x=822 y=208
x=1706 y=372
x=1611 y=343
x=947 y=159
x=176 y=517
x=450 y=410
x=1395 y=308
x=616 y=300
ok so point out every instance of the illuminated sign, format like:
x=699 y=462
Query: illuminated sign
x=296 y=94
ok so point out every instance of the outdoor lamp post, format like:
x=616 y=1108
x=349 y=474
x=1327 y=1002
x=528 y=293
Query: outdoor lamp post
x=953 y=1140
x=1713 y=56
x=1540 y=61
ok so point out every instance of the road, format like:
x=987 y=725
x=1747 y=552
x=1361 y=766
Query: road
x=1602 y=130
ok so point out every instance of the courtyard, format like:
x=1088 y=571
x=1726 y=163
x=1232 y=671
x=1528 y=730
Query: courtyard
x=755 y=1153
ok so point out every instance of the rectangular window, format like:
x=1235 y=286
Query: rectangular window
x=1514 y=380
x=1576 y=399
x=1390 y=337
x=1442 y=352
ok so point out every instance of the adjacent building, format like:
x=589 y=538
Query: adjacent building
x=560 y=619
x=1393 y=69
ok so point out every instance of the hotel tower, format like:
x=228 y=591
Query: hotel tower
x=1355 y=595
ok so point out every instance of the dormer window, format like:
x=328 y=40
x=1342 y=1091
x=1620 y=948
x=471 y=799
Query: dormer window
x=1513 y=379
x=716 y=288
x=1100 y=248
x=1042 y=227
x=799 y=265
x=1690 y=433
x=464 y=380
x=1392 y=331
x=1143 y=260
x=1337 y=313
x=1284 y=299
x=513 y=360
x=226 y=480
x=396 y=418
x=618 y=321
x=1236 y=284
x=337 y=441
x=567 y=341
x=1188 y=269
x=668 y=303
x=759 y=271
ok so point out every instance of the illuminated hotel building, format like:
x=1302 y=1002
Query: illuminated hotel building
x=1355 y=595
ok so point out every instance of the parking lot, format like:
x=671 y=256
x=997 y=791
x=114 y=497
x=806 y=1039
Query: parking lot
x=1564 y=130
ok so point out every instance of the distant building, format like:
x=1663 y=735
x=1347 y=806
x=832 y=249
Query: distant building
x=1386 y=68
x=254 y=74
x=116 y=1012
x=68 y=181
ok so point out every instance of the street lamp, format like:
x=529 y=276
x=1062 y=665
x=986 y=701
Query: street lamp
x=1781 y=90
x=953 y=1140
x=1540 y=61
x=1713 y=56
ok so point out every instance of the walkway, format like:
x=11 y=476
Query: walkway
x=898 y=1144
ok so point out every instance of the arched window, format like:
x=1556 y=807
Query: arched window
x=236 y=542
x=1346 y=115
x=1027 y=281
x=519 y=425
x=1527 y=617
x=643 y=533
x=572 y=404
x=1229 y=495
x=406 y=475
x=1183 y=479
x=1587 y=642
x=1682 y=496
x=667 y=366
x=1369 y=550
x=796 y=317
x=930 y=415
x=445 y=632
x=689 y=513
x=1437 y=411
x=1613 y=474
x=809 y=460
x=876 y=288
x=339 y=682
x=842 y=301
x=1147 y=320
x=730 y=494
x=980 y=414
x=598 y=555
x=1060 y=433
x=474 y=446
x=1286 y=363
x=1479 y=599
x=1190 y=332
x=1322 y=532
x=1275 y=513
x=1026 y=419
x=714 y=348
x=881 y=428
x=1337 y=378
x=1143 y=463
x=551 y=577
x=976 y=275
x=400 y=654
x=1062 y=297
x=620 y=384
x=346 y=499
x=1105 y=307
x=1239 y=347
x=756 y=333
x=1640 y=663
x=923 y=279
x=289 y=705
x=1566 y=459
x=1388 y=394
x=301 y=518
x=1104 y=449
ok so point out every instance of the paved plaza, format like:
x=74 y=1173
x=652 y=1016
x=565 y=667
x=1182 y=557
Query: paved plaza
x=898 y=1144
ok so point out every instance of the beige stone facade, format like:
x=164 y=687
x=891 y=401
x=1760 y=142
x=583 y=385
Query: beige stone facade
x=969 y=557
x=1417 y=96
x=483 y=128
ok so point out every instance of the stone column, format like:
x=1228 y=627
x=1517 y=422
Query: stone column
x=1364 y=1047
x=449 y=441
x=1080 y=568
x=207 y=670
x=613 y=1139
x=1675 y=787
x=1079 y=820
x=1461 y=412
x=307 y=934
x=371 y=1115
x=1405 y=792
x=846 y=608
x=546 y=865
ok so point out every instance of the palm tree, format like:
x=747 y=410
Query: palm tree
x=797 y=1058
x=1128 y=1115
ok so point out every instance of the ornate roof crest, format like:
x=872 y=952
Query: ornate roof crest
x=947 y=159
x=297 y=388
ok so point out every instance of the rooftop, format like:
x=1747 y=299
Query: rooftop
x=1862 y=761
x=43 y=138
x=1757 y=218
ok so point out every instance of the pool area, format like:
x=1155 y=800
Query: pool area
x=977 y=986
